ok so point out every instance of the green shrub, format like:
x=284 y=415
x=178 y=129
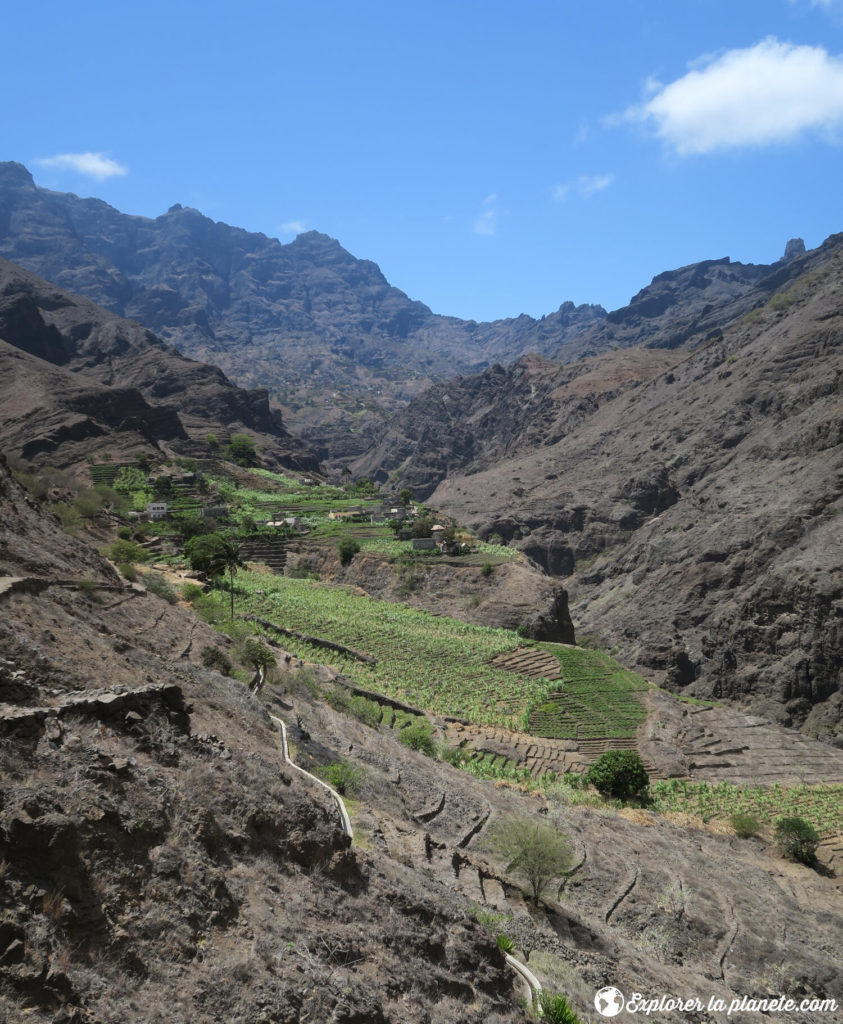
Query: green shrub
x=128 y=571
x=242 y=450
x=620 y=774
x=487 y=569
x=348 y=549
x=556 y=1009
x=798 y=839
x=418 y=735
x=367 y=711
x=156 y=584
x=213 y=657
x=124 y=532
x=127 y=551
x=67 y=515
x=88 y=503
x=451 y=755
x=191 y=592
x=505 y=943
x=745 y=825
x=344 y=777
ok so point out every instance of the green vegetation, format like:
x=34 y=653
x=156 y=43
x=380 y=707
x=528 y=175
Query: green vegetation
x=821 y=806
x=156 y=584
x=213 y=657
x=348 y=549
x=556 y=1009
x=439 y=663
x=798 y=839
x=241 y=450
x=533 y=849
x=620 y=774
x=418 y=735
x=745 y=825
x=344 y=777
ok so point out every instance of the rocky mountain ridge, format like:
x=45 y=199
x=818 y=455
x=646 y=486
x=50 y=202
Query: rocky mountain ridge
x=76 y=377
x=325 y=332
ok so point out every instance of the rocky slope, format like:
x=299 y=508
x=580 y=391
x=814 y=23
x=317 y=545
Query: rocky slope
x=76 y=379
x=160 y=863
x=691 y=500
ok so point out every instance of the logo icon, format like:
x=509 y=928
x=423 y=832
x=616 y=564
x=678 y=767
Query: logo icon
x=609 y=1001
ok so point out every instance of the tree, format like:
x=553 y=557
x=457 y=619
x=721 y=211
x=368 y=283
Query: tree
x=620 y=774
x=423 y=527
x=405 y=496
x=214 y=555
x=348 y=549
x=260 y=658
x=533 y=849
x=241 y=450
x=798 y=839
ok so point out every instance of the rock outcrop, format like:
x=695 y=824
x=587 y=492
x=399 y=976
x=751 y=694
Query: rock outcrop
x=77 y=378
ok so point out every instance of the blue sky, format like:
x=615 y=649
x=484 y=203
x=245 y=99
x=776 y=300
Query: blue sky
x=492 y=157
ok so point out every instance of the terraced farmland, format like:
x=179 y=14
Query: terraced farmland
x=450 y=667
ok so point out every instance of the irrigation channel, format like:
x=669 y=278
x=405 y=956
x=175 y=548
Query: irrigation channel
x=531 y=982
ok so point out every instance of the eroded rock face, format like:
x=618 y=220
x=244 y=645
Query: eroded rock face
x=76 y=377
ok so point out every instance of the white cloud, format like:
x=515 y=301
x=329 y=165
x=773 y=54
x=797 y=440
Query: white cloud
x=589 y=184
x=772 y=92
x=92 y=165
x=294 y=227
x=486 y=222
x=585 y=186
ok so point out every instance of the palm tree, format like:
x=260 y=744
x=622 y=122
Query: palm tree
x=224 y=557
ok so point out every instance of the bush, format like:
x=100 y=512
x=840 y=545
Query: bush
x=745 y=825
x=556 y=1009
x=191 y=592
x=124 y=533
x=344 y=777
x=505 y=943
x=127 y=551
x=156 y=584
x=798 y=839
x=365 y=710
x=242 y=450
x=128 y=571
x=213 y=657
x=620 y=774
x=487 y=569
x=534 y=849
x=348 y=549
x=418 y=735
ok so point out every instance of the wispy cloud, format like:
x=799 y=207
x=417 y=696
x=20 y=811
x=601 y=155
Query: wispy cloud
x=294 y=227
x=772 y=92
x=92 y=165
x=585 y=186
x=486 y=222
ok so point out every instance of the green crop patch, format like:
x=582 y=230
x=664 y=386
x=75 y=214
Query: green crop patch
x=443 y=664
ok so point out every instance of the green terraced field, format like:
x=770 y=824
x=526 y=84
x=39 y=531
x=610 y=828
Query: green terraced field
x=444 y=665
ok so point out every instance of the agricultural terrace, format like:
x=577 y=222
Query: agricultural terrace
x=438 y=663
x=820 y=805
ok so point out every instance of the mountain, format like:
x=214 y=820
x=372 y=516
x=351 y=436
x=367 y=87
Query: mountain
x=75 y=377
x=690 y=498
x=307 y=320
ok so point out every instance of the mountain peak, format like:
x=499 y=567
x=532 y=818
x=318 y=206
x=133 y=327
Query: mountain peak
x=13 y=174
